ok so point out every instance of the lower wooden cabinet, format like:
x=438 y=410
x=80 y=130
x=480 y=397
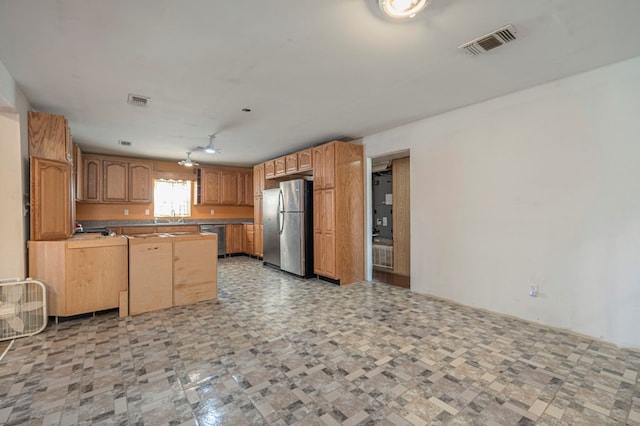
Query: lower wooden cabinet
x=258 y=240
x=82 y=275
x=150 y=274
x=171 y=270
x=249 y=240
x=234 y=238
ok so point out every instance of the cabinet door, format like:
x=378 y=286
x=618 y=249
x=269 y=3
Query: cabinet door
x=317 y=232
x=49 y=136
x=328 y=165
x=195 y=270
x=258 y=179
x=258 y=240
x=95 y=278
x=211 y=182
x=291 y=162
x=318 y=170
x=78 y=167
x=305 y=160
x=115 y=174
x=269 y=169
x=280 y=166
x=229 y=187
x=234 y=238
x=92 y=179
x=248 y=189
x=150 y=275
x=51 y=200
x=249 y=240
x=257 y=210
x=140 y=182
x=324 y=237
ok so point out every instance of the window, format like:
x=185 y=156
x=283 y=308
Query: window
x=171 y=198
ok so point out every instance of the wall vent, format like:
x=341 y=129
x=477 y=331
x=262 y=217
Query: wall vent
x=138 y=100
x=490 y=41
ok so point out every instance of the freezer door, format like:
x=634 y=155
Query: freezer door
x=271 y=231
x=293 y=195
x=292 y=256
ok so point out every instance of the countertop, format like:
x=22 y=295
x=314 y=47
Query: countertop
x=161 y=222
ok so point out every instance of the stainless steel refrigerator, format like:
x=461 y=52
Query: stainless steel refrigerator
x=287 y=216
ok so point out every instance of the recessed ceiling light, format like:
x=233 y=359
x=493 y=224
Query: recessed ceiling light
x=402 y=8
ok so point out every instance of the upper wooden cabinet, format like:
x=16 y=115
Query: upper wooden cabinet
x=92 y=179
x=269 y=169
x=229 y=193
x=116 y=180
x=49 y=137
x=140 y=182
x=78 y=168
x=305 y=160
x=297 y=162
x=51 y=200
x=324 y=158
x=280 y=166
x=229 y=186
x=258 y=179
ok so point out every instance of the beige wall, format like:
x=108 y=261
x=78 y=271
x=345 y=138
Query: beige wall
x=12 y=259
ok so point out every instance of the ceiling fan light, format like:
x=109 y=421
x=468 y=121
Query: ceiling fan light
x=209 y=149
x=402 y=8
x=187 y=162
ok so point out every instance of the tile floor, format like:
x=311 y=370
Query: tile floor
x=279 y=350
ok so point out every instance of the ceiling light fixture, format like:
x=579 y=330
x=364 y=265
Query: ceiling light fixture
x=210 y=149
x=402 y=8
x=187 y=162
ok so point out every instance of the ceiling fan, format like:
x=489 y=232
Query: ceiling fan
x=210 y=149
x=188 y=162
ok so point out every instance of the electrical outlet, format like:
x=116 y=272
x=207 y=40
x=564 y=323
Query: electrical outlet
x=146 y=211
x=126 y=212
x=212 y=211
x=533 y=291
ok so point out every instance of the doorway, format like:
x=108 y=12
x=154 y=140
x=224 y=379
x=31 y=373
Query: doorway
x=390 y=220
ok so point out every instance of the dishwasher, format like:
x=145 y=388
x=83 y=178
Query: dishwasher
x=220 y=231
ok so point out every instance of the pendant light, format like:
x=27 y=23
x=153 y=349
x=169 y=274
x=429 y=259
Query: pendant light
x=402 y=9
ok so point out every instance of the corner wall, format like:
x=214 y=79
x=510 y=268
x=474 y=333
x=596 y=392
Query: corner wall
x=540 y=187
x=14 y=174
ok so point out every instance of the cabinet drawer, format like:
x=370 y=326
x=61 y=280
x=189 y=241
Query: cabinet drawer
x=177 y=228
x=137 y=230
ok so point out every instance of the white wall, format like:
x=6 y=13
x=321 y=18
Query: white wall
x=14 y=175
x=540 y=187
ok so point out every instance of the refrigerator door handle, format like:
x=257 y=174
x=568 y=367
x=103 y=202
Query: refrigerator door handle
x=281 y=212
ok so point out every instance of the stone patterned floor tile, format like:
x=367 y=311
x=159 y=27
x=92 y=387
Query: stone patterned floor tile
x=279 y=350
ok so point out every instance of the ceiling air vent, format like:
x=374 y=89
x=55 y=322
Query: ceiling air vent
x=138 y=100
x=490 y=41
x=124 y=143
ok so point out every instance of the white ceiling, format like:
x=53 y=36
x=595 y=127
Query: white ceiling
x=309 y=70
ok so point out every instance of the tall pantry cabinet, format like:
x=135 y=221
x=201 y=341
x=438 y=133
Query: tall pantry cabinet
x=338 y=197
x=51 y=177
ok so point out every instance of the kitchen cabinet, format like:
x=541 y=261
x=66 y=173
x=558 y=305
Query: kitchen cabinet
x=78 y=168
x=225 y=186
x=324 y=161
x=291 y=162
x=245 y=188
x=150 y=274
x=258 y=233
x=258 y=180
x=234 y=238
x=339 y=211
x=269 y=169
x=249 y=241
x=140 y=182
x=150 y=229
x=195 y=274
x=229 y=193
x=280 y=166
x=82 y=274
x=49 y=137
x=51 y=200
x=116 y=180
x=305 y=160
x=92 y=178
x=168 y=271
x=257 y=225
